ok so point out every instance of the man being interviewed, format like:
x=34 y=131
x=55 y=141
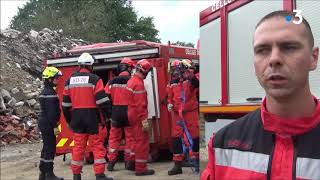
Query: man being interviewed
x=138 y=114
x=281 y=139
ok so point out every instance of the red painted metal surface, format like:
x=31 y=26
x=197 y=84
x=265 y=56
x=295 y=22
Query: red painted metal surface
x=288 y=5
x=224 y=56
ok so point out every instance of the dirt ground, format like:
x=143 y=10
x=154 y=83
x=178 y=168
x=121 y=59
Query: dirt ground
x=21 y=162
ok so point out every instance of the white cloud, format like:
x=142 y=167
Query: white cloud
x=9 y=8
x=176 y=20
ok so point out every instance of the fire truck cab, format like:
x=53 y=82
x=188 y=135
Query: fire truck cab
x=107 y=57
x=228 y=85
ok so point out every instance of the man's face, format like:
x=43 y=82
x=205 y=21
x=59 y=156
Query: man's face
x=283 y=57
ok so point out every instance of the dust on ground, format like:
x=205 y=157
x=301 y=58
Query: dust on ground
x=21 y=161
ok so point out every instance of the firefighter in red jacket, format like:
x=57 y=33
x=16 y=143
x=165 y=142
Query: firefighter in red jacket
x=116 y=89
x=138 y=114
x=83 y=96
x=281 y=139
x=182 y=101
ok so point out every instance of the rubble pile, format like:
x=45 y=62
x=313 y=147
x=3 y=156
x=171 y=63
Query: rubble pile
x=29 y=50
x=22 y=56
x=14 y=129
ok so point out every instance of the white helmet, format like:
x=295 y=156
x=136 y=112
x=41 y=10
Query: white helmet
x=85 y=59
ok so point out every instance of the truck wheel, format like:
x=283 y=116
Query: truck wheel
x=89 y=158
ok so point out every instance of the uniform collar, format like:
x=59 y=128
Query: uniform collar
x=124 y=73
x=84 y=70
x=289 y=126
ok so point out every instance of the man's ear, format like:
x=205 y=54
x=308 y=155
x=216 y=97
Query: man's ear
x=314 y=58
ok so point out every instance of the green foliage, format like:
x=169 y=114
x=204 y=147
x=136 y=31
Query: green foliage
x=91 y=20
x=178 y=43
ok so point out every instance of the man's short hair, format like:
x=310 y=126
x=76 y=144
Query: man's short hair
x=284 y=14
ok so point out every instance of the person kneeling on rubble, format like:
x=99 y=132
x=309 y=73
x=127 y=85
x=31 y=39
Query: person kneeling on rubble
x=48 y=122
x=83 y=94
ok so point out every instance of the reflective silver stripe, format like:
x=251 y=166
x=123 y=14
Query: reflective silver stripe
x=77 y=163
x=81 y=85
x=118 y=85
x=139 y=92
x=136 y=92
x=129 y=89
x=100 y=101
x=242 y=160
x=308 y=168
x=64 y=104
x=48 y=96
x=141 y=161
x=174 y=84
x=46 y=160
x=112 y=150
x=96 y=161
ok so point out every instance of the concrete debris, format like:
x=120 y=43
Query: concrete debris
x=31 y=102
x=22 y=55
x=15 y=90
x=19 y=104
x=13 y=131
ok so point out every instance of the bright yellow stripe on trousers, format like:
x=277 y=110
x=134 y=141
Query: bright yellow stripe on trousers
x=72 y=143
x=62 y=142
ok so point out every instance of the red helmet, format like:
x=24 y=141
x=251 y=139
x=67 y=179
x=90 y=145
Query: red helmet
x=127 y=61
x=175 y=63
x=144 y=66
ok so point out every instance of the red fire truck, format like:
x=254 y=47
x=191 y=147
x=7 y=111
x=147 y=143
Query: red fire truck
x=228 y=85
x=108 y=56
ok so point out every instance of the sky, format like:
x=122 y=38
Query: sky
x=176 y=20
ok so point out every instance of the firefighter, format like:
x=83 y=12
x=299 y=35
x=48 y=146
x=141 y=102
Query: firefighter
x=48 y=122
x=184 y=106
x=281 y=139
x=116 y=89
x=137 y=114
x=83 y=96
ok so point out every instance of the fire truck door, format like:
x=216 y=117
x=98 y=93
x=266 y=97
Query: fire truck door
x=151 y=85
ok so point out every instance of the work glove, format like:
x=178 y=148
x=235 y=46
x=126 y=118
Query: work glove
x=170 y=107
x=145 y=125
x=56 y=131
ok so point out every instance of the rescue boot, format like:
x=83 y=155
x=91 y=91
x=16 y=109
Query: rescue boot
x=195 y=164
x=177 y=168
x=76 y=176
x=130 y=165
x=102 y=177
x=111 y=165
x=42 y=176
x=145 y=173
x=51 y=176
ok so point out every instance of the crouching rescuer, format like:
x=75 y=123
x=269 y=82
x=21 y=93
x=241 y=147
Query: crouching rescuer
x=83 y=97
x=48 y=122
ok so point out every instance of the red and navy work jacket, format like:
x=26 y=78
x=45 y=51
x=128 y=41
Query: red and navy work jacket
x=183 y=95
x=82 y=96
x=137 y=100
x=116 y=89
x=263 y=146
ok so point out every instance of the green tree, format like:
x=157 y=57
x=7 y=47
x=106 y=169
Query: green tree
x=92 y=20
x=179 y=43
